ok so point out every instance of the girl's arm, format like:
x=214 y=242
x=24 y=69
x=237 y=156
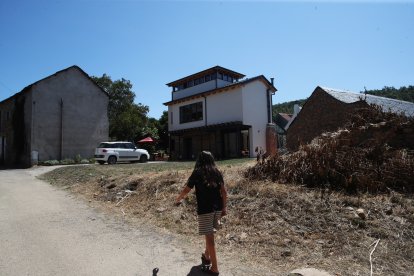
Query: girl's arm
x=182 y=195
x=223 y=192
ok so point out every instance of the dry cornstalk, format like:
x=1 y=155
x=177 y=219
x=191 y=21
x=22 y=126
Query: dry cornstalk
x=370 y=255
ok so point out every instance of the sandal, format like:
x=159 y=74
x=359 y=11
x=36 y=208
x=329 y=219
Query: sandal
x=205 y=263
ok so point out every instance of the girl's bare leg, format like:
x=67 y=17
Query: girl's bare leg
x=211 y=250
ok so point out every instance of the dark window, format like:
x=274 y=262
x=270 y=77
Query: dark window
x=207 y=78
x=191 y=113
x=225 y=77
x=220 y=76
x=213 y=76
x=196 y=82
x=190 y=83
x=201 y=80
x=172 y=145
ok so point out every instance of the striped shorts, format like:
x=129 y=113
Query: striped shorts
x=209 y=223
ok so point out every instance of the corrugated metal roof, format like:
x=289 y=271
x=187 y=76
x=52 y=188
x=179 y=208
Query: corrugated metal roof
x=387 y=104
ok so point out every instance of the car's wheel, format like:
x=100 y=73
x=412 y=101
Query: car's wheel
x=111 y=160
x=143 y=158
x=101 y=162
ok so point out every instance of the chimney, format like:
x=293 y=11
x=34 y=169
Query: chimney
x=271 y=80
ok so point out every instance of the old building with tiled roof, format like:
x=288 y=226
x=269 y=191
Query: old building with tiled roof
x=61 y=116
x=328 y=109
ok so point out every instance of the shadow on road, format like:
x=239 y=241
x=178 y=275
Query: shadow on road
x=196 y=271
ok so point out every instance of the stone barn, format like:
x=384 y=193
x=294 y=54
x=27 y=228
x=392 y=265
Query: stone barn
x=61 y=116
x=328 y=109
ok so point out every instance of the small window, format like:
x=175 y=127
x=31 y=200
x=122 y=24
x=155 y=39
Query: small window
x=207 y=78
x=196 y=82
x=190 y=83
x=213 y=76
x=225 y=77
x=130 y=146
x=201 y=80
x=220 y=76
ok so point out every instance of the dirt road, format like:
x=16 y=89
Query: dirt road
x=47 y=231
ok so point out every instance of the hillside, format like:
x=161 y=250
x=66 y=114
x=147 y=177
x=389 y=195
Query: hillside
x=403 y=93
x=287 y=107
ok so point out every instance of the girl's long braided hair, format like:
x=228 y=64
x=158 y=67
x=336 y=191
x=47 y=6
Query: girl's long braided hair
x=206 y=166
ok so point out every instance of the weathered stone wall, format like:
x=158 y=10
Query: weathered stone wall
x=69 y=116
x=321 y=113
x=58 y=117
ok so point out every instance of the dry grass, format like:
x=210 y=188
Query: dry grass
x=269 y=224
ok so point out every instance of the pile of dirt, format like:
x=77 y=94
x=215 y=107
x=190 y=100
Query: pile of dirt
x=374 y=152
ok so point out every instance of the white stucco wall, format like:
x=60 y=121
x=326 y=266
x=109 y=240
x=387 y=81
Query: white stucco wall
x=255 y=113
x=225 y=107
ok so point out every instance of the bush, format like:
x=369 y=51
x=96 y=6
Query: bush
x=77 y=159
x=50 y=163
x=67 y=161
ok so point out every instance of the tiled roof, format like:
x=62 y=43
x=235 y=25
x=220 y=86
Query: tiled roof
x=282 y=119
x=387 y=104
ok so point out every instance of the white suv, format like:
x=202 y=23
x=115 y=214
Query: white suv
x=113 y=152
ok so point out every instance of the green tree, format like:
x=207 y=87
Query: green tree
x=403 y=93
x=163 y=131
x=126 y=118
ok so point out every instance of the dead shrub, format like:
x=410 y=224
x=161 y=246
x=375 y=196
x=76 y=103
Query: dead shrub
x=359 y=158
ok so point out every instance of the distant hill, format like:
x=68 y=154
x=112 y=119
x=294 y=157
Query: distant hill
x=403 y=93
x=286 y=107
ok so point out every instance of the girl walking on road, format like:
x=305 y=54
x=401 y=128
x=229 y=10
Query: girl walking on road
x=211 y=204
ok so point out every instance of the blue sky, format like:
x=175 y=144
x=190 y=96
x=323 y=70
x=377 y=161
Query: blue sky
x=302 y=44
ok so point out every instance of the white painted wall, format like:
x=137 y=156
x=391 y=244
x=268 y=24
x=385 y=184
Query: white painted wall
x=225 y=107
x=255 y=113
